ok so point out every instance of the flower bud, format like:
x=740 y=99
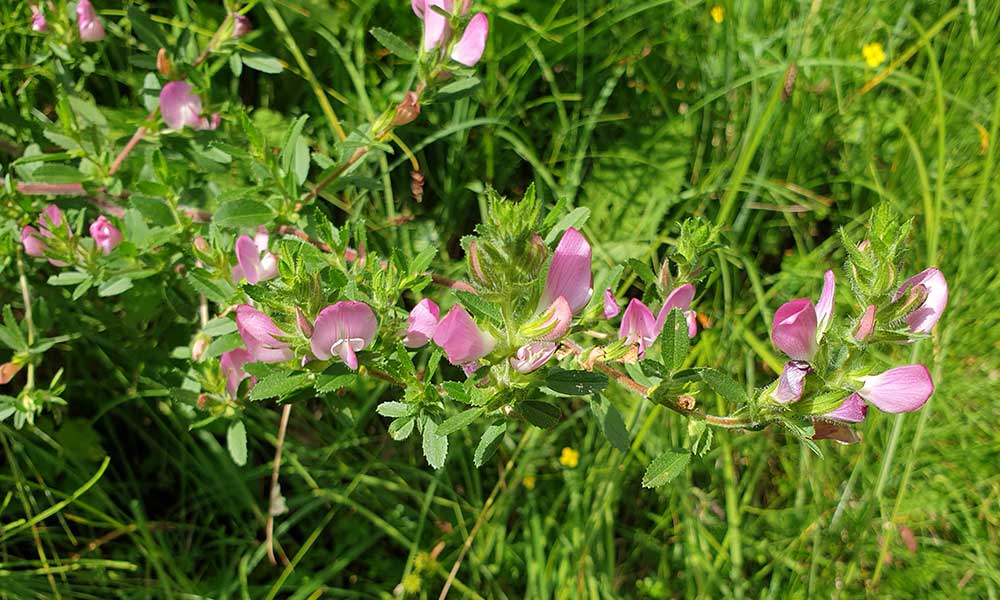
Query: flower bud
x=106 y=236
x=303 y=322
x=198 y=347
x=38 y=22
x=201 y=245
x=91 y=29
x=407 y=110
x=475 y=267
x=241 y=26
x=866 y=325
x=8 y=370
x=163 y=62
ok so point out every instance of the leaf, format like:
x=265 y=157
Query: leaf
x=489 y=442
x=279 y=384
x=674 y=341
x=576 y=218
x=114 y=287
x=57 y=174
x=457 y=391
x=154 y=209
x=87 y=111
x=612 y=423
x=459 y=421
x=540 y=414
x=401 y=428
x=480 y=308
x=724 y=385
x=642 y=270
x=145 y=29
x=665 y=468
x=242 y=213
x=68 y=278
x=327 y=383
x=575 y=383
x=393 y=409
x=216 y=290
x=262 y=62
x=236 y=441
x=295 y=152
x=435 y=444
x=394 y=44
x=457 y=89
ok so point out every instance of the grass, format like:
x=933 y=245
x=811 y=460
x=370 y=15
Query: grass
x=643 y=112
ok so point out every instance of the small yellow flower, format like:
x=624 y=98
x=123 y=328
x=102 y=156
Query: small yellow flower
x=874 y=54
x=718 y=14
x=529 y=482
x=569 y=458
x=411 y=583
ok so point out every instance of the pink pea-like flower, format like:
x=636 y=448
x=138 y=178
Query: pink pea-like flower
x=611 y=307
x=791 y=382
x=38 y=22
x=254 y=262
x=343 y=329
x=462 y=340
x=259 y=333
x=469 y=49
x=638 y=326
x=232 y=369
x=799 y=324
x=106 y=236
x=924 y=317
x=533 y=356
x=421 y=323
x=182 y=108
x=681 y=297
x=91 y=29
x=33 y=239
x=569 y=273
x=898 y=390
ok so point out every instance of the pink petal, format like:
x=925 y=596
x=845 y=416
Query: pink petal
x=421 y=323
x=532 y=356
x=692 y=321
x=852 y=410
x=106 y=236
x=50 y=219
x=470 y=48
x=866 y=324
x=436 y=27
x=560 y=317
x=248 y=257
x=258 y=332
x=180 y=107
x=794 y=329
x=681 y=298
x=418 y=7
x=611 y=308
x=924 y=318
x=569 y=273
x=38 y=22
x=791 y=382
x=824 y=308
x=638 y=326
x=461 y=339
x=898 y=390
x=90 y=26
x=343 y=329
x=232 y=368
x=32 y=241
x=241 y=26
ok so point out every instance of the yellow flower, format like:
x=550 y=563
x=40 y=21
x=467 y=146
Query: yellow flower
x=718 y=14
x=529 y=482
x=411 y=583
x=569 y=458
x=874 y=54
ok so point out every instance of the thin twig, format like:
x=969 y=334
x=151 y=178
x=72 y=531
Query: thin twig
x=286 y=410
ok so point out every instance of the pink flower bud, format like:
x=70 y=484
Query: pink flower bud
x=106 y=236
x=198 y=347
x=38 y=22
x=407 y=110
x=474 y=265
x=303 y=322
x=241 y=26
x=462 y=340
x=163 y=66
x=201 y=245
x=611 y=308
x=343 y=329
x=470 y=47
x=866 y=324
x=422 y=323
x=569 y=273
x=923 y=318
x=181 y=108
x=91 y=29
x=258 y=332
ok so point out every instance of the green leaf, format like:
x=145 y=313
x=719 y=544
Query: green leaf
x=673 y=340
x=458 y=89
x=216 y=290
x=279 y=384
x=394 y=44
x=154 y=209
x=87 y=111
x=435 y=444
x=457 y=391
x=114 y=287
x=489 y=442
x=401 y=428
x=575 y=383
x=67 y=278
x=262 y=62
x=612 y=423
x=642 y=270
x=242 y=213
x=576 y=218
x=236 y=441
x=540 y=414
x=222 y=344
x=328 y=383
x=58 y=174
x=459 y=421
x=480 y=308
x=393 y=409
x=665 y=468
x=295 y=152
x=724 y=385
x=145 y=29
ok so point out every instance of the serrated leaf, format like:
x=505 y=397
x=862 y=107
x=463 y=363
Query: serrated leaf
x=540 y=414
x=435 y=445
x=665 y=468
x=488 y=443
x=724 y=385
x=459 y=421
x=401 y=428
x=242 y=213
x=326 y=384
x=642 y=270
x=216 y=290
x=480 y=308
x=236 y=442
x=279 y=384
x=673 y=340
x=393 y=409
x=394 y=44
x=57 y=174
x=575 y=382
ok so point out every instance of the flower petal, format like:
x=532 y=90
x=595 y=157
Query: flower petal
x=681 y=298
x=532 y=356
x=421 y=323
x=866 y=324
x=461 y=339
x=923 y=318
x=179 y=106
x=32 y=241
x=248 y=258
x=794 y=329
x=902 y=389
x=106 y=236
x=258 y=332
x=470 y=48
x=824 y=308
x=791 y=382
x=852 y=410
x=569 y=273
x=343 y=328
x=436 y=27
x=91 y=29
x=638 y=325
x=611 y=308
x=560 y=317
x=232 y=369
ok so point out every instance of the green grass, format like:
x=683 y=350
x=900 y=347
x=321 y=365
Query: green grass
x=644 y=112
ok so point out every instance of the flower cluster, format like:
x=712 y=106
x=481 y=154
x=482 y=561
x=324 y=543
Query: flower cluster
x=88 y=23
x=54 y=230
x=438 y=29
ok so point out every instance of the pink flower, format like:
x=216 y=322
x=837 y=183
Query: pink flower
x=462 y=340
x=182 y=108
x=421 y=323
x=556 y=320
x=611 y=308
x=436 y=28
x=241 y=26
x=106 y=236
x=470 y=47
x=902 y=389
x=38 y=22
x=254 y=262
x=569 y=273
x=866 y=325
x=852 y=410
x=799 y=325
x=258 y=332
x=932 y=282
x=681 y=298
x=32 y=241
x=638 y=326
x=791 y=382
x=343 y=329
x=91 y=29
x=232 y=369
x=532 y=356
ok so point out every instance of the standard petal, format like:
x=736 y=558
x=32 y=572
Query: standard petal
x=794 y=329
x=532 y=356
x=179 y=106
x=866 y=324
x=824 y=308
x=681 y=298
x=343 y=329
x=248 y=258
x=924 y=318
x=232 y=368
x=852 y=410
x=461 y=339
x=569 y=273
x=898 y=390
x=791 y=382
x=91 y=29
x=470 y=48
x=435 y=24
x=32 y=241
x=106 y=236
x=258 y=332
x=611 y=308
x=638 y=326
x=421 y=323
